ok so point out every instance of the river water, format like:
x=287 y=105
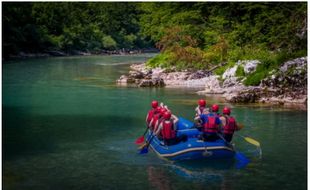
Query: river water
x=67 y=125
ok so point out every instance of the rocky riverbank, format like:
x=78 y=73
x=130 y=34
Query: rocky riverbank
x=143 y=76
x=286 y=85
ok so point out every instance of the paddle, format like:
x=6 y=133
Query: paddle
x=242 y=159
x=141 y=139
x=250 y=140
x=145 y=147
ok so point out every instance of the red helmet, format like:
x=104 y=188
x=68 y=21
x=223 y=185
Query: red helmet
x=167 y=115
x=215 y=108
x=202 y=102
x=158 y=109
x=154 y=104
x=226 y=110
x=163 y=110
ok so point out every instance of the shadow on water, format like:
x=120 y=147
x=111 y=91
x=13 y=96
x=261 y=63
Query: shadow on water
x=25 y=133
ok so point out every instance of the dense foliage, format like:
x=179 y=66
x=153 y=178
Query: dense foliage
x=197 y=35
x=69 y=26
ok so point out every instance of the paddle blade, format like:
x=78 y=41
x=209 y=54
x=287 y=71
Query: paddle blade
x=140 y=140
x=252 y=141
x=144 y=150
x=242 y=160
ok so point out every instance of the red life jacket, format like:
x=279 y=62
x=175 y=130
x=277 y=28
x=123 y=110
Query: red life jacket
x=167 y=131
x=155 y=119
x=211 y=126
x=230 y=126
x=150 y=115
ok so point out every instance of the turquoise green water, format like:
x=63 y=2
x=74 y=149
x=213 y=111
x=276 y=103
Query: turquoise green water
x=67 y=125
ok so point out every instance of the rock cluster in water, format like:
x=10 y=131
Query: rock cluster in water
x=143 y=76
x=288 y=84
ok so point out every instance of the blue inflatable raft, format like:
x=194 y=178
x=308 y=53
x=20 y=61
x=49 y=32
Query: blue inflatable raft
x=193 y=148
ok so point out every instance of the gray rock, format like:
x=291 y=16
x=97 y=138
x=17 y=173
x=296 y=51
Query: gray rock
x=122 y=79
x=145 y=83
x=231 y=81
x=250 y=66
x=230 y=72
x=246 y=96
x=158 y=82
x=197 y=75
x=155 y=82
x=136 y=74
x=299 y=63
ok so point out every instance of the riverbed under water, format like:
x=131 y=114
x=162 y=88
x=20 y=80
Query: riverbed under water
x=67 y=125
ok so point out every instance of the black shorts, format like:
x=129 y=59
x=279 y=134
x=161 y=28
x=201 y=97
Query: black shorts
x=228 y=137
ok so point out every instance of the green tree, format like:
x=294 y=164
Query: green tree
x=108 y=42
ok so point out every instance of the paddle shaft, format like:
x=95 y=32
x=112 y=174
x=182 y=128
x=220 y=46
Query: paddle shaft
x=144 y=150
x=221 y=136
x=148 y=143
x=142 y=137
x=238 y=155
x=147 y=127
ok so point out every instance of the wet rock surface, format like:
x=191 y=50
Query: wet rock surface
x=155 y=82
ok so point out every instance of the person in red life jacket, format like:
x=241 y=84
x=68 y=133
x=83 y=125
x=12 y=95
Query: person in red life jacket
x=160 y=118
x=167 y=130
x=229 y=124
x=201 y=107
x=162 y=108
x=152 y=112
x=215 y=109
x=210 y=124
x=154 y=119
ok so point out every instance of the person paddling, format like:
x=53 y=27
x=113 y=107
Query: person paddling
x=151 y=112
x=159 y=119
x=167 y=130
x=155 y=118
x=229 y=124
x=201 y=107
x=149 y=118
x=210 y=124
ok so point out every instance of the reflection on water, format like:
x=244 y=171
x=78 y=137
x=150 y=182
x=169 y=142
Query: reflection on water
x=203 y=174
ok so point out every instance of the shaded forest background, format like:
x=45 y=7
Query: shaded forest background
x=194 y=35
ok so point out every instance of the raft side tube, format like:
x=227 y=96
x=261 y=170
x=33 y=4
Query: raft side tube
x=192 y=149
x=184 y=124
x=190 y=133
